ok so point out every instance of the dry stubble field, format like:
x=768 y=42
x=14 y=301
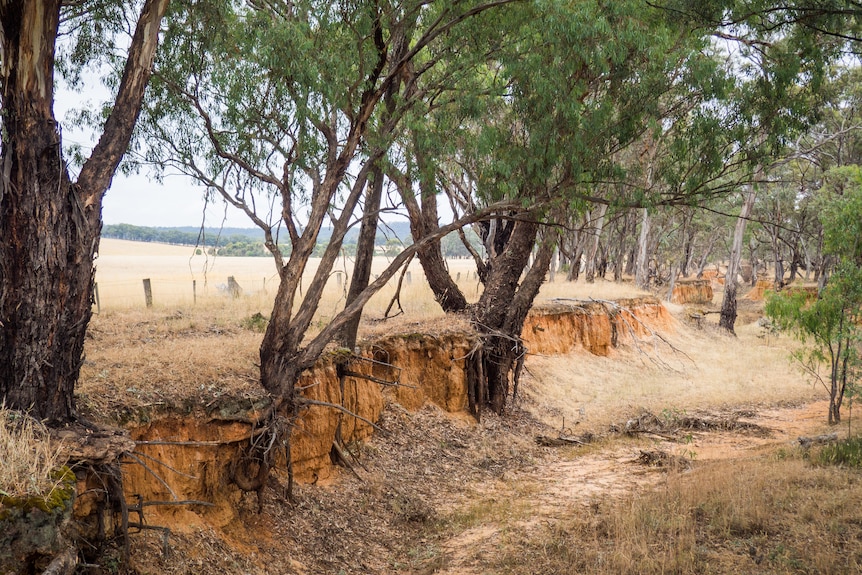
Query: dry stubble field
x=712 y=481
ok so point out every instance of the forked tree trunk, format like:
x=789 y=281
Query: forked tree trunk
x=502 y=308
x=50 y=225
x=597 y=215
x=499 y=314
x=728 y=304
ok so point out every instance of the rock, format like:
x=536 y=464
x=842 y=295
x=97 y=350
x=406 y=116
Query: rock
x=35 y=530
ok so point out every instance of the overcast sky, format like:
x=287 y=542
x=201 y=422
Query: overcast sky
x=175 y=202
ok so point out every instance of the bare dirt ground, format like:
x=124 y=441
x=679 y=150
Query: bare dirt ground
x=440 y=494
x=564 y=482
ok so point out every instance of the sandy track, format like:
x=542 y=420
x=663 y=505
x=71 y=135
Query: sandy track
x=555 y=488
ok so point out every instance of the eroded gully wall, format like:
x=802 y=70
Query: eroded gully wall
x=194 y=456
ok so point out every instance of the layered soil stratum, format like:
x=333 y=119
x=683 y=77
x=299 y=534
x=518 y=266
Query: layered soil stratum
x=427 y=488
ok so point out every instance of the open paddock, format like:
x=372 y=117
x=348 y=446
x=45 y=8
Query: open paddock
x=180 y=277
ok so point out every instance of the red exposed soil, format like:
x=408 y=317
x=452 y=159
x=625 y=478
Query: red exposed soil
x=692 y=292
x=434 y=490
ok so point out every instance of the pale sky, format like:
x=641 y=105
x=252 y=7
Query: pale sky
x=176 y=202
x=136 y=200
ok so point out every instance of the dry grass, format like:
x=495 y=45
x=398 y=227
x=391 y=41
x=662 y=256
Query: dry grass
x=599 y=289
x=196 y=338
x=768 y=514
x=143 y=361
x=181 y=278
x=432 y=479
x=707 y=369
x=30 y=460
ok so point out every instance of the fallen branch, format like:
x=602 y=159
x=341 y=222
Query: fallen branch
x=63 y=564
x=807 y=442
x=563 y=440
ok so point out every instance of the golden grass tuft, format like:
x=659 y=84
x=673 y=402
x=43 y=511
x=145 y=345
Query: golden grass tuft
x=30 y=459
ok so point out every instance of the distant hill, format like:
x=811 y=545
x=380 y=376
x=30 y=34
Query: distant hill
x=191 y=236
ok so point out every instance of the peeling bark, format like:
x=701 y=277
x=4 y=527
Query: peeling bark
x=50 y=224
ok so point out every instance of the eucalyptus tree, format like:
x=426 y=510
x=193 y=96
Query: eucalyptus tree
x=781 y=53
x=830 y=325
x=50 y=219
x=286 y=109
x=821 y=219
x=571 y=88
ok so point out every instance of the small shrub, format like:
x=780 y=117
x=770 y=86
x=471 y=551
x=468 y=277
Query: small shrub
x=256 y=322
x=847 y=453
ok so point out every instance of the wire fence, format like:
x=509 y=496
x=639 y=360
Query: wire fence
x=161 y=292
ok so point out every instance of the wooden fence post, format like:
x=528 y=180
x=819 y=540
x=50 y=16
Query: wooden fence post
x=148 y=292
x=195 y=292
x=96 y=298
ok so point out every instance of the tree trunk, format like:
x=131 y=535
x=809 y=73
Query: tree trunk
x=776 y=254
x=364 y=254
x=688 y=245
x=642 y=276
x=50 y=225
x=424 y=221
x=597 y=215
x=728 y=305
x=621 y=235
x=46 y=254
x=497 y=311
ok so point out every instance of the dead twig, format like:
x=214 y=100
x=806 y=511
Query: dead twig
x=158 y=478
x=305 y=401
x=397 y=297
x=163 y=464
x=807 y=442
x=563 y=440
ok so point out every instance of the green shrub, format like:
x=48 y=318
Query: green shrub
x=256 y=322
x=847 y=453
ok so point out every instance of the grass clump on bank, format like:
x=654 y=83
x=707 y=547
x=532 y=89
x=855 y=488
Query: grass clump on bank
x=30 y=460
x=845 y=453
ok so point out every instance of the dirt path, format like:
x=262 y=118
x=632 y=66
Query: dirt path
x=551 y=489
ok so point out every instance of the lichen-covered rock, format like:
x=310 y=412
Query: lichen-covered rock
x=35 y=529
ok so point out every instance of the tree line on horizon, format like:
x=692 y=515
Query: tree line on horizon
x=247 y=242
